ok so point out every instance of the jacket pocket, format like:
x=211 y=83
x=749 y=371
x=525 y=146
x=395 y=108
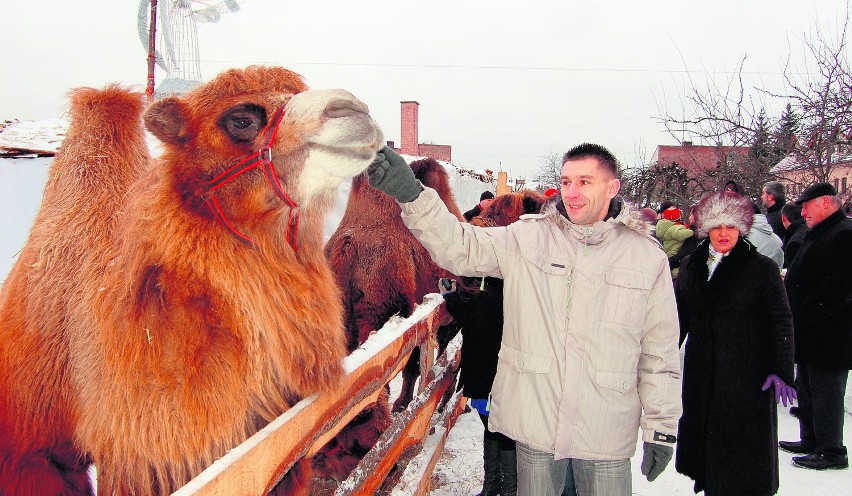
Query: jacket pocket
x=626 y=296
x=524 y=362
x=546 y=263
x=621 y=382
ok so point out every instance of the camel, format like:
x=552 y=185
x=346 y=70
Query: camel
x=502 y=211
x=380 y=266
x=162 y=310
x=382 y=271
x=508 y=208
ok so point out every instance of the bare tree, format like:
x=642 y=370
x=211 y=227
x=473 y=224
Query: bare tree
x=550 y=169
x=823 y=99
x=730 y=113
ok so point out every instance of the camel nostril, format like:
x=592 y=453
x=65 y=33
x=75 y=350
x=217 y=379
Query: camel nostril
x=343 y=108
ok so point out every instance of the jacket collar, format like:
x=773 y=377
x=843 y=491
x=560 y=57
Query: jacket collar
x=793 y=228
x=619 y=214
x=775 y=206
x=826 y=224
x=760 y=224
x=734 y=260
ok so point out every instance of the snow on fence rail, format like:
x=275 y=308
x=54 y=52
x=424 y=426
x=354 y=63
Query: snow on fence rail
x=256 y=465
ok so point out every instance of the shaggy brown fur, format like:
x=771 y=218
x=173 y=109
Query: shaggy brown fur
x=508 y=208
x=380 y=266
x=503 y=210
x=382 y=270
x=135 y=330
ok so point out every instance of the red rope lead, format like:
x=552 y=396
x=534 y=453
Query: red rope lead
x=261 y=157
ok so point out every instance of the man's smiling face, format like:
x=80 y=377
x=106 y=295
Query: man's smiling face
x=586 y=189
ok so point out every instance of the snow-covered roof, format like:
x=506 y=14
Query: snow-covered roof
x=791 y=162
x=30 y=138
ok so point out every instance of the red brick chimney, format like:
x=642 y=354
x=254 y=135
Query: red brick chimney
x=408 y=132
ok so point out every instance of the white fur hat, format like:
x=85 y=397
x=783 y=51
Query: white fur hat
x=724 y=208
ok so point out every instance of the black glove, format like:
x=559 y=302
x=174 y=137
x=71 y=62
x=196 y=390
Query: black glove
x=390 y=173
x=655 y=459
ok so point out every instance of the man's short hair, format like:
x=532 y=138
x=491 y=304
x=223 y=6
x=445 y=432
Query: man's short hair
x=590 y=150
x=486 y=195
x=792 y=211
x=777 y=190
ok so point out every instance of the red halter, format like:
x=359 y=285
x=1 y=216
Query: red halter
x=260 y=158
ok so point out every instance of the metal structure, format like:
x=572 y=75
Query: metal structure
x=168 y=31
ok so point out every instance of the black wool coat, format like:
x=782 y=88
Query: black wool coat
x=480 y=315
x=739 y=331
x=773 y=216
x=470 y=214
x=794 y=237
x=819 y=285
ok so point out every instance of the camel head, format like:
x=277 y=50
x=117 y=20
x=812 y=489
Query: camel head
x=256 y=143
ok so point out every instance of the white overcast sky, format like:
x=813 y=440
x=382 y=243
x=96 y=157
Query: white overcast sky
x=504 y=82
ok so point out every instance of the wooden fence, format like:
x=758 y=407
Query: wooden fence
x=256 y=465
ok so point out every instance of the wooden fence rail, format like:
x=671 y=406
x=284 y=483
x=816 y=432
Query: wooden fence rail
x=256 y=465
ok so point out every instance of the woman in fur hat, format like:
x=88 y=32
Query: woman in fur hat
x=738 y=359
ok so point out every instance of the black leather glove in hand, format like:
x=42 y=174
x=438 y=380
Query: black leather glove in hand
x=390 y=173
x=655 y=458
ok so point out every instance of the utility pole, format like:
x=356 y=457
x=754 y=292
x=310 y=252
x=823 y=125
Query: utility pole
x=152 y=51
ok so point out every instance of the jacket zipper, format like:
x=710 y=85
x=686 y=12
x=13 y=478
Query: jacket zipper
x=568 y=285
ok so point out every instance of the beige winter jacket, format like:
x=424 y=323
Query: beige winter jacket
x=590 y=339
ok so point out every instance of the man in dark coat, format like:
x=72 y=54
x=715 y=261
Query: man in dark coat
x=740 y=332
x=484 y=200
x=794 y=231
x=819 y=285
x=774 y=199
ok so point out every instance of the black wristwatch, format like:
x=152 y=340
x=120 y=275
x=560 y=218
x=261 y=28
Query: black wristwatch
x=666 y=438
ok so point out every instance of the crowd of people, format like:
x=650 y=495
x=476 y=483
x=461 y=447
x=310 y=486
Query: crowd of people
x=599 y=298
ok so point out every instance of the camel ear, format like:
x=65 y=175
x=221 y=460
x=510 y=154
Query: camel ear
x=167 y=120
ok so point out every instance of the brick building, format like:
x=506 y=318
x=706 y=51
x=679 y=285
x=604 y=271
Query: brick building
x=696 y=159
x=687 y=164
x=409 y=136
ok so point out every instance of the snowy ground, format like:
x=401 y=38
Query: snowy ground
x=459 y=472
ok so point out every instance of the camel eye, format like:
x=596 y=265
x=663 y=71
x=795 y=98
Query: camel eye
x=243 y=123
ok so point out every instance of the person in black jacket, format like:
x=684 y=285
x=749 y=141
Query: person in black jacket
x=819 y=285
x=484 y=200
x=794 y=231
x=774 y=199
x=738 y=357
x=477 y=306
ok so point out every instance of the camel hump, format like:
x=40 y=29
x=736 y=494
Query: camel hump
x=105 y=144
x=112 y=113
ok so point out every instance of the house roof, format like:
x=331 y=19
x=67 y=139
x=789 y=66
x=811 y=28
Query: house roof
x=791 y=162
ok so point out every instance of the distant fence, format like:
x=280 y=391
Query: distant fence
x=255 y=466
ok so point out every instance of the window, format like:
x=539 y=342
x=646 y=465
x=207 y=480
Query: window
x=843 y=185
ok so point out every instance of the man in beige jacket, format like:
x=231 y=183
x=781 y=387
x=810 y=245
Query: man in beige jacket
x=590 y=340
